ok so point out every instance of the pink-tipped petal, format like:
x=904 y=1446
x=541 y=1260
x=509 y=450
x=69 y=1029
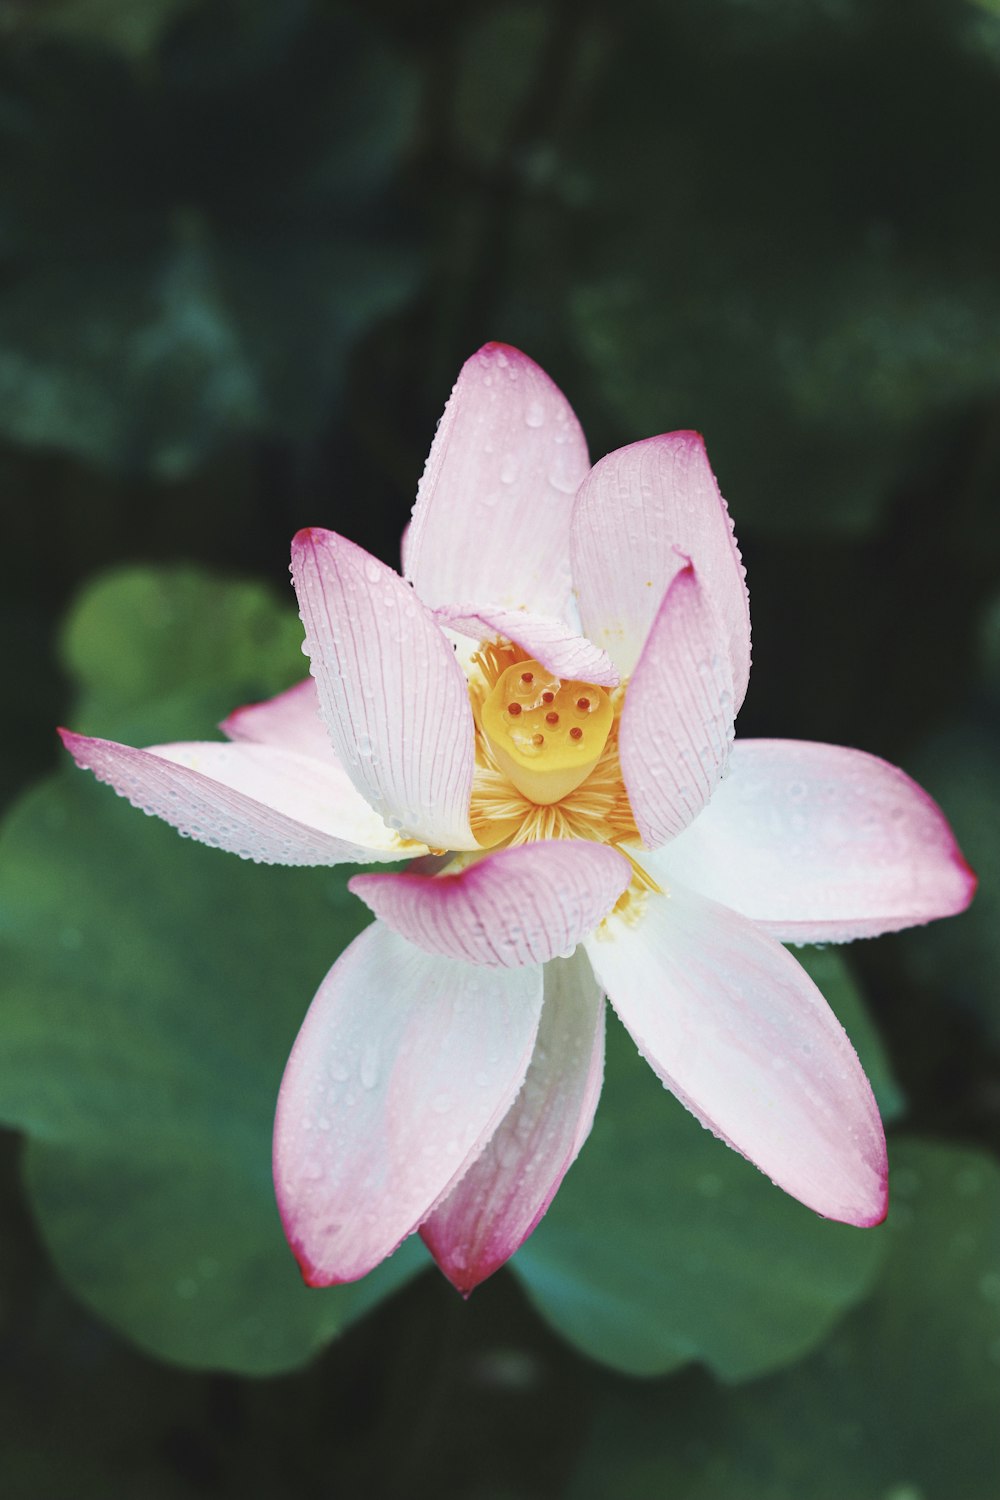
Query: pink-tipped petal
x=548 y=640
x=493 y=509
x=404 y=1067
x=677 y=722
x=738 y=1031
x=268 y=805
x=291 y=721
x=639 y=509
x=820 y=844
x=506 y=1191
x=392 y=694
x=518 y=906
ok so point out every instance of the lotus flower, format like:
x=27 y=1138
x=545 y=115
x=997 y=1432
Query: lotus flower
x=539 y=713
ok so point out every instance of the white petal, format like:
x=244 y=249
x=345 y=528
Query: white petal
x=518 y=906
x=677 y=722
x=264 y=804
x=493 y=510
x=639 y=508
x=291 y=721
x=506 y=1191
x=821 y=844
x=393 y=697
x=738 y=1031
x=404 y=1067
x=550 y=641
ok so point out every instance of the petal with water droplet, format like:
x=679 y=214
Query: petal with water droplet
x=517 y=906
x=507 y=1189
x=543 y=637
x=821 y=844
x=273 y=806
x=493 y=509
x=713 y=1004
x=677 y=722
x=640 y=512
x=348 y=1195
x=392 y=694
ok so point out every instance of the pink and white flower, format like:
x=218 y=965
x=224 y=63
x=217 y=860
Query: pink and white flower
x=540 y=713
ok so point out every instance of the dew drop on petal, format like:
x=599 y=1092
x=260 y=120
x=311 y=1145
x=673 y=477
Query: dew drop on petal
x=369 y=1070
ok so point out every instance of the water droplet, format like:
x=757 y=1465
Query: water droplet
x=369 y=1069
x=534 y=416
x=508 y=469
x=372 y=571
x=441 y=1103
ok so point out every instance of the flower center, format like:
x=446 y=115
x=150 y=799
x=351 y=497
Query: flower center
x=568 y=787
x=546 y=734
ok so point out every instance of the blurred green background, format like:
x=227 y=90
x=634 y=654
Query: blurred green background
x=245 y=248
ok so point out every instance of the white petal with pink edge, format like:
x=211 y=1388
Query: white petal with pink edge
x=738 y=1031
x=392 y=694
x=546 y=639
x=493 y=509
x=677 y=721
x=517 y=906
x=291 y=721
x=404 y=1067
x=507 y=1189
x=821 y=844
x=639 y=509
x=268 y=805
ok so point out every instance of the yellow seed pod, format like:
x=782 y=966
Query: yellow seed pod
x=547 y=734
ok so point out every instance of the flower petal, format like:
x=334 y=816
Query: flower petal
x=291 y=721
x=493 y=509
x=506 y=1191
x=637 y=511
x=546 y=639
x=677 y=722
x=393 y=697
x=821 y=844
x=268 y=805
x=518 y=906
x=738 y=1031
x=402 y=1070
